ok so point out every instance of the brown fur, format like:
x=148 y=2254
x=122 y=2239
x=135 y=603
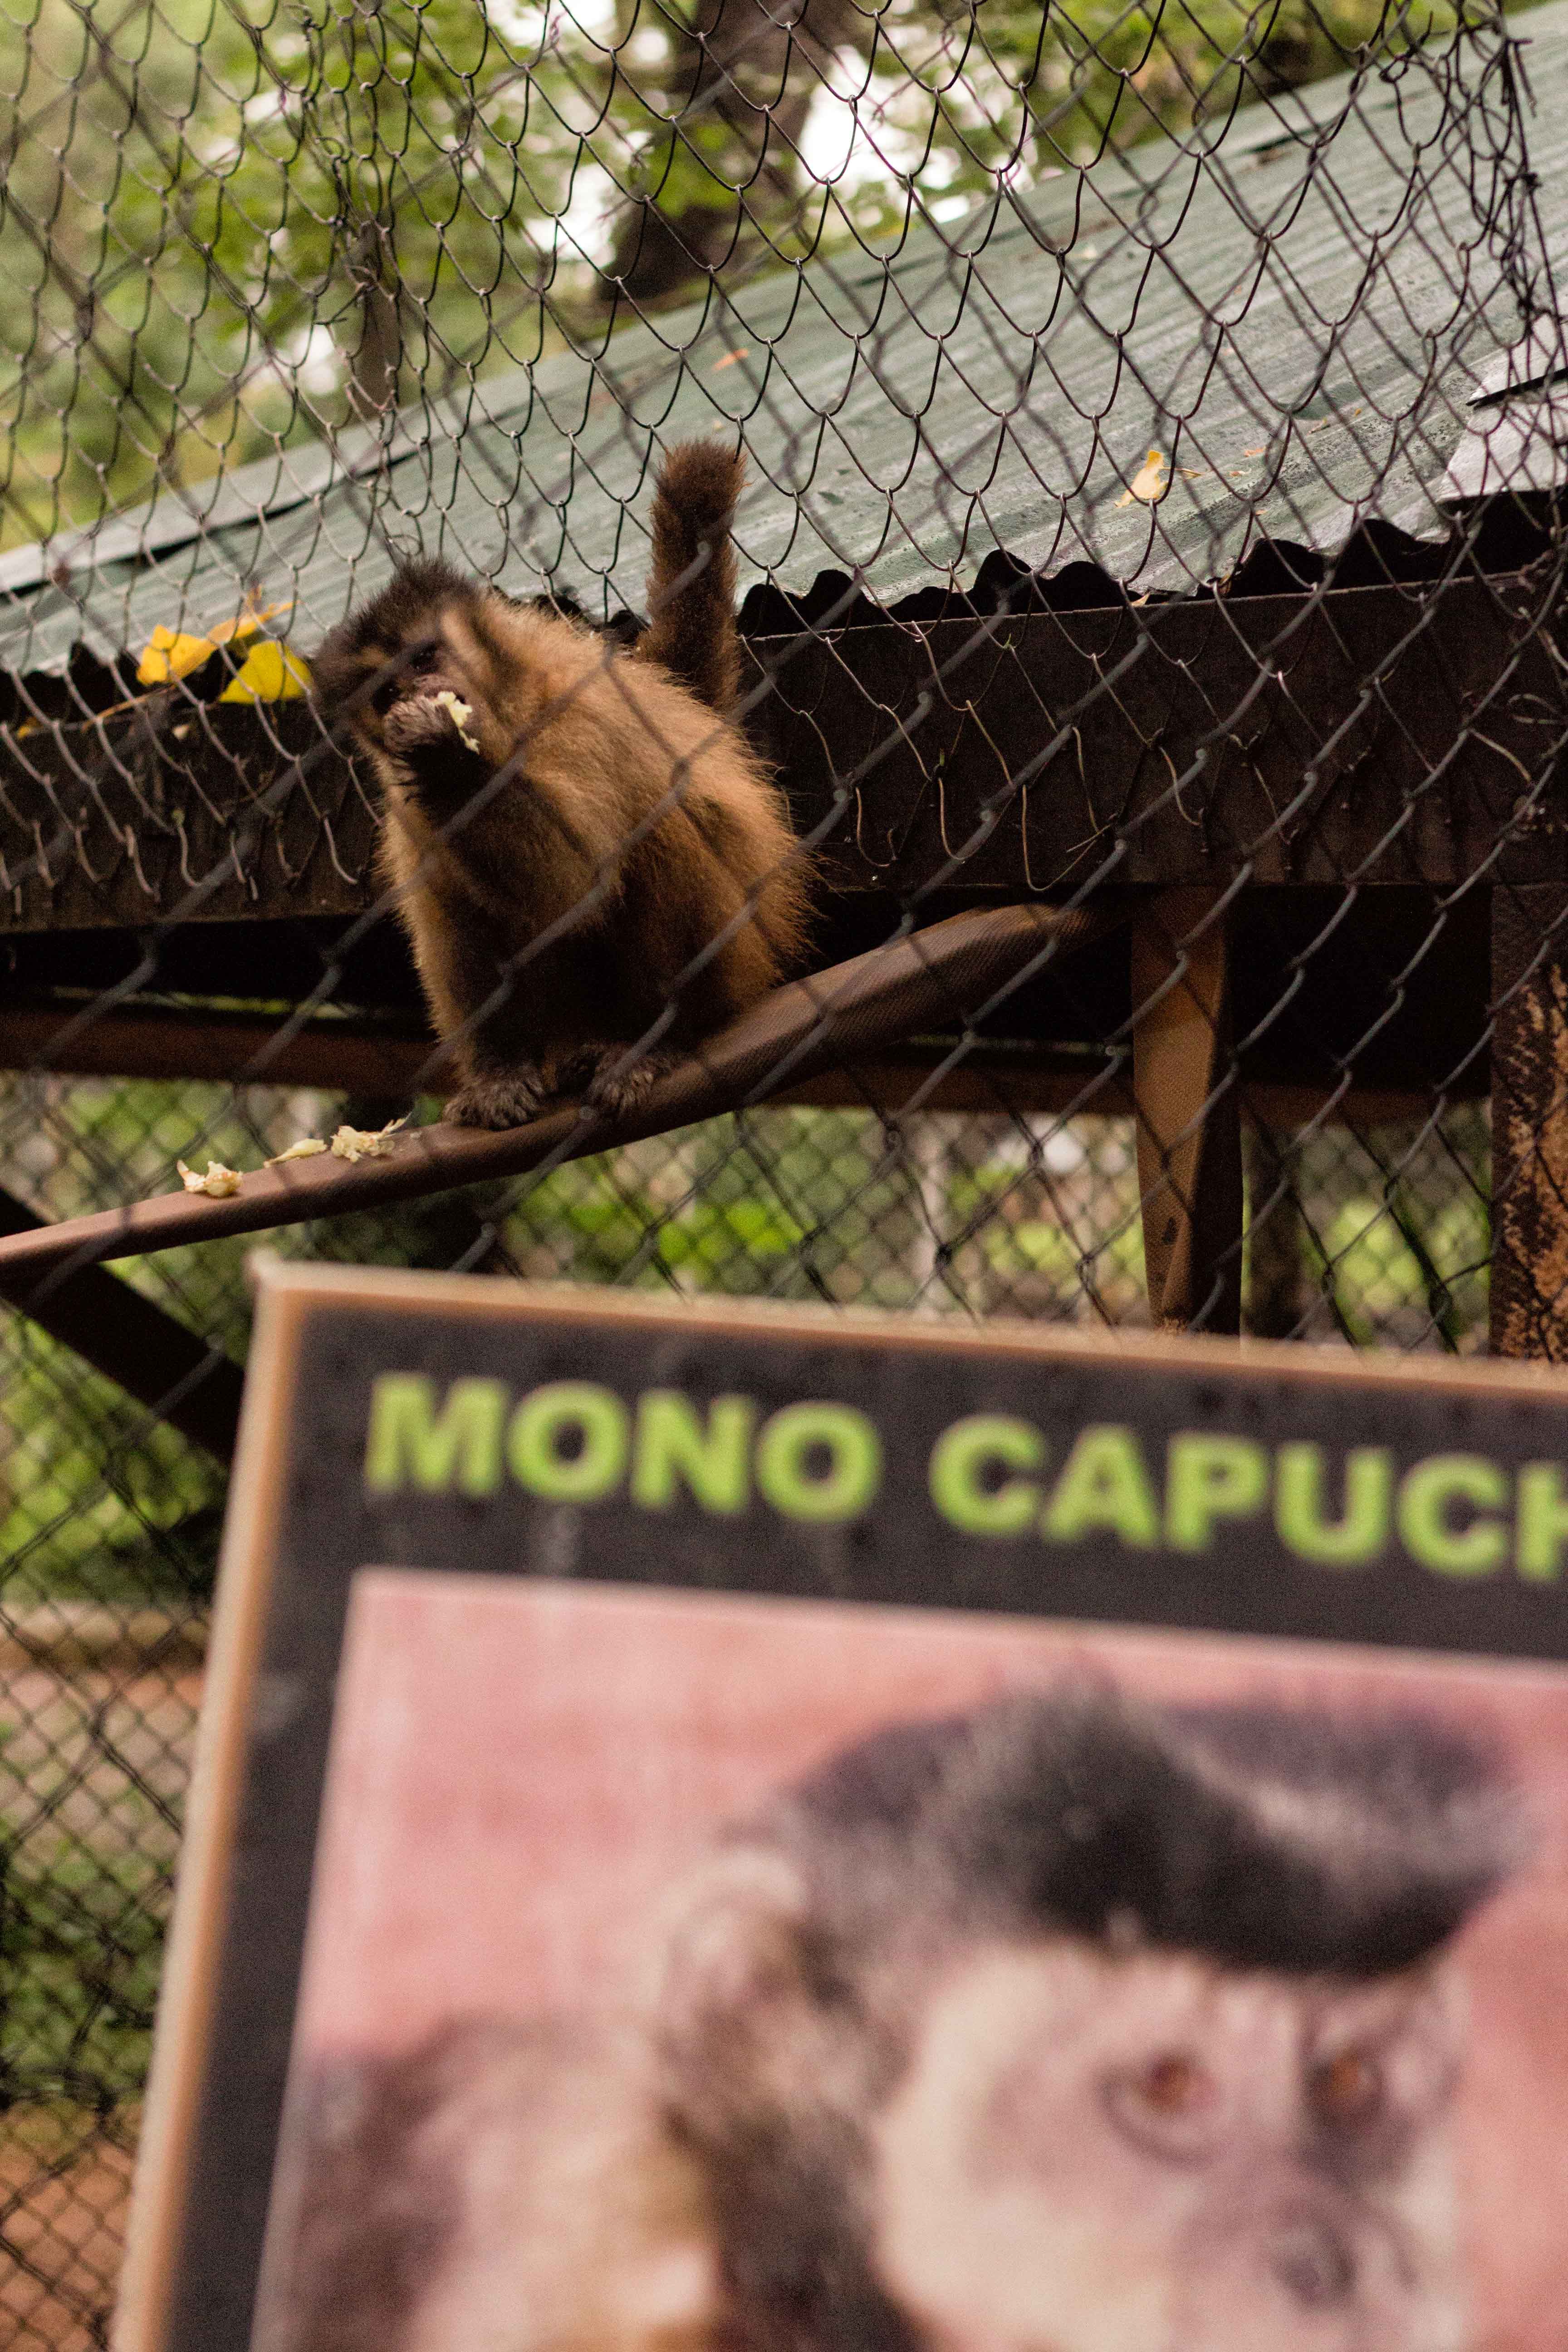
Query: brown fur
x=429 y=2176
x=560 y=883
x=691 y=588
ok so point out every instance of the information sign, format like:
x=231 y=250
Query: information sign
x=716 y=1823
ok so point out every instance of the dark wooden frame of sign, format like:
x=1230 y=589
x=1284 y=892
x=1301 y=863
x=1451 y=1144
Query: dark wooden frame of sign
x=300 y=1525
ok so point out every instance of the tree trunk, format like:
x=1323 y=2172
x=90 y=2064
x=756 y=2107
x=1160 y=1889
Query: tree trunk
x=376 y=359
x=741 y=80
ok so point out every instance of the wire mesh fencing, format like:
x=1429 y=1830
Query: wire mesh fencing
x=1083 y=839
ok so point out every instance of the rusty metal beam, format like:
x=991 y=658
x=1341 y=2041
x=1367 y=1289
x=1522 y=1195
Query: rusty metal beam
x=1530 y=1122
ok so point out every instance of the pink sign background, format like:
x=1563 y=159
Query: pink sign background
x=519 y=1768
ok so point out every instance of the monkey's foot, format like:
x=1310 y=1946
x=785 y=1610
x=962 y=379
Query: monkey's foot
x=614 y=1084
x=500 y=1098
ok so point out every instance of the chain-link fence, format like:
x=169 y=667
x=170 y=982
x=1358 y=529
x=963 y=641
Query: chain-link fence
x=1152 y=418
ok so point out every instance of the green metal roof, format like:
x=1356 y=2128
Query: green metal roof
x=1301 y=316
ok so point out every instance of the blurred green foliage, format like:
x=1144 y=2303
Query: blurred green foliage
x=100 y=1501
x=81 y=1939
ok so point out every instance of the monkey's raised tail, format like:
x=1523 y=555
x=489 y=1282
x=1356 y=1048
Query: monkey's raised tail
x=691 y=587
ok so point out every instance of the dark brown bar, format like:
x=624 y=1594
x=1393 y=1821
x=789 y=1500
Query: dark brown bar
x=1530 y=1121
x=165 y=1366
x=344 y=1058
x=340 y=1056
x=75 y=1638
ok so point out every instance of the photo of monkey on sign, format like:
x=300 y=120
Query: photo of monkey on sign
x=752 y=1975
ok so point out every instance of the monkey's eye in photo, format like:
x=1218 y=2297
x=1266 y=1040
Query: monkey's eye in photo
x=1346 y=2090
x=1169 y=2102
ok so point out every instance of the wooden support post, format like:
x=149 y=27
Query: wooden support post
x=1530 y=1121
x=1189 y=1130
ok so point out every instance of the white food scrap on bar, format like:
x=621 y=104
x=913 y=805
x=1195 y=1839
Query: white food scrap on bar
x=219 y=1184
x=367 y=1142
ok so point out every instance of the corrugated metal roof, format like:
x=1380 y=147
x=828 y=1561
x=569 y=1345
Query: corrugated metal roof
x=1298 y=318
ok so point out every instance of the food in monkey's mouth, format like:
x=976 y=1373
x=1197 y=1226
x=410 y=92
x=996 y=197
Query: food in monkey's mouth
x=459 y=712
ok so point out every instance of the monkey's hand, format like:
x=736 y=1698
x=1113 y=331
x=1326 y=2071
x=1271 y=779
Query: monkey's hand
x=500 y=1098
x=427 y=734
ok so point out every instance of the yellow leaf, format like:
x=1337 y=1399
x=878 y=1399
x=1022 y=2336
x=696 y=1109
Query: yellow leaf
x=175 y=653
x=270 y=672
x=1148 y=485
x=243 y=624
x=171 y=652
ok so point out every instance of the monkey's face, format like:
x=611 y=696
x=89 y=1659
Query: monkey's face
x=432 y=666
x=440 y=652
x=1151 y=2154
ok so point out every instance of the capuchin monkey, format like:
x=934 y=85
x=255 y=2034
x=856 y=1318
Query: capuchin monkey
x=583 y=847
x=1066 y=2025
